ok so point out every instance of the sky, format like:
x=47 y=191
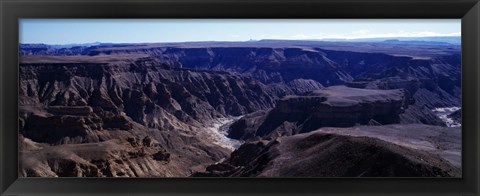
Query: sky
x=77 y=31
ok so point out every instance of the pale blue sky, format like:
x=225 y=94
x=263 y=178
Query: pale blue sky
x=68 y=31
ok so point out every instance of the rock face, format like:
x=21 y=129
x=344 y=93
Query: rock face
x=425 y=91
x=327 y=154
x=302 y=86
x=336 y=106
x=71 y=105
x=143 y=93
x=432 y=70
x=426 y=95
x=328 y=63
x=89 y=103
x=112 y=158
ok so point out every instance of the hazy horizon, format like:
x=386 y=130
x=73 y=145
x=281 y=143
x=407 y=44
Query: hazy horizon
x=83 y=31
x=325 y=40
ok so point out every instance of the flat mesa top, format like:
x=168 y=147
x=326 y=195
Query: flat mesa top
x=342 y=96
x=420 y=51
x=122 y=58
x=348 y=92
x=108 y=53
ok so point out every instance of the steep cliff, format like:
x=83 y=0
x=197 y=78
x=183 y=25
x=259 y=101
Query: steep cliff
x=84 y=106
x=336 y=106
x=327 y=63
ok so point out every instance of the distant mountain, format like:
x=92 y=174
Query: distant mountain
x=437 y=40
x=75 y=45
x=396 y=41
x=58 y=46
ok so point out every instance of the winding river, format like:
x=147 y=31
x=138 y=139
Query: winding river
x=218 y=131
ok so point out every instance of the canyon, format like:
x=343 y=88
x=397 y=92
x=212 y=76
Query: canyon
x=284 y=109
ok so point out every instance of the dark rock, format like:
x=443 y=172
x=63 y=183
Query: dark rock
x=330 y=155
x=336 y=106
x=52 y=129
x=162 y=156
x=424 y=95
x=116 y=122
x=73 y=168
x=418 y=113
x=301 y=86
x=133 y=141
x=70 y=110
x=145 y=96
x=138 y=153
x=220 y=167
x=246 y=126
x=147 y=141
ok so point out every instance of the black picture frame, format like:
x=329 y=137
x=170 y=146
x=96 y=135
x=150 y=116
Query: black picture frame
x=12 y=10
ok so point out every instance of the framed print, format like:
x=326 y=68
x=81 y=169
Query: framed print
x=267 y=97
x=244 y=104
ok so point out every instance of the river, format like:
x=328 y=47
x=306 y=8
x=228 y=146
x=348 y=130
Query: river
x=443 y=113
x=218 y=131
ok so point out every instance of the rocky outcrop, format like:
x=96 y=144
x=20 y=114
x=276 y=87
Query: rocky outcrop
x=329 y=63
x=247 y=126
x=336 y=106
x=418 y=113
x=70 y=110
x=70 y=106
x=97 y=159
x=425 y=91
x=142 y=93
x=328 y=153
x=433 y=79
x=434 y=70
x=88 y=103
x=302 y=86
x=328 y=67
x=426 y=95
x=54 y=129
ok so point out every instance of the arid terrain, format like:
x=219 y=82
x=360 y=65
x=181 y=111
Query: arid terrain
x=266 y=108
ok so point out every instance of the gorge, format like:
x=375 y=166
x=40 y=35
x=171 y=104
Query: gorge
x=289 y=108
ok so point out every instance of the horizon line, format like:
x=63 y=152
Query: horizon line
x=328 y=39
